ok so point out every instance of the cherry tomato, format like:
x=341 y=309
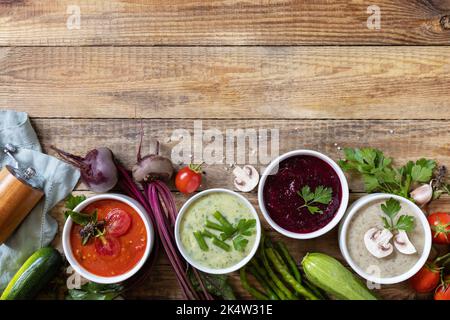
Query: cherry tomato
x=443 y=291
x=107 y=247
x=188 y=179
x=118 y=222
x=426 y=279
x=440 y=227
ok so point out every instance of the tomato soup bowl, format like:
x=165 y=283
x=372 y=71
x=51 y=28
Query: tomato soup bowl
x=248 y=207
x=67 y=246
x=340 y=180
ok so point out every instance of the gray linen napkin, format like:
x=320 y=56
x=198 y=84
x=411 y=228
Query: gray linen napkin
x=38 y=229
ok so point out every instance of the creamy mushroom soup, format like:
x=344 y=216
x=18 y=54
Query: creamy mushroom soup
x=394 y=264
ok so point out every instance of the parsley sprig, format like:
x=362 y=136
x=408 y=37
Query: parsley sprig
x=228 y=232
x=379 y=174
x=391 y=208
x=321 y=195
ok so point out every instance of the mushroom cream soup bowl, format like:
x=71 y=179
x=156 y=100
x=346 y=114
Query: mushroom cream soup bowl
x=366 y=264
x=67 y=247
x=334 y=173
x=207 y=202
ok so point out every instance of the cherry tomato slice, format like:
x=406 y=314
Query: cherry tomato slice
x=118 y=222
x=107 y=246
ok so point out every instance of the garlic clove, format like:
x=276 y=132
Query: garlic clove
x=423 y=194
x=402 y=243
x=377 y=242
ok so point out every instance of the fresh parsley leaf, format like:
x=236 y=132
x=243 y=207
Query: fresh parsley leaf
x=421 y=174
x=379 y=175
x=405 y=223
x=239 y=243
x=245 y=226
x=391 y=207
x=320 y=195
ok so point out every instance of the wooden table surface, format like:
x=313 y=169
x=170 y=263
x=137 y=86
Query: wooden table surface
x=312 y=69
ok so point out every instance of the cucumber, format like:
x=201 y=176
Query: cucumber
x=34 y=274
x=331 y=276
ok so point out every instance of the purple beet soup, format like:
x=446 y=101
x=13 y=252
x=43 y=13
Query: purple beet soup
x=282 y=201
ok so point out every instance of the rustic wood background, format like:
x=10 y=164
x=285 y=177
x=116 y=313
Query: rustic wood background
x=310 y=68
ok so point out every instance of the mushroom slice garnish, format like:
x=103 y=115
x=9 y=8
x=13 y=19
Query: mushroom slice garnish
x=246 y=178
x=377 y=242
x=403 y=244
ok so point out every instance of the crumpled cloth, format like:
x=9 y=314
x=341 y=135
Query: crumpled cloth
x=39 y=228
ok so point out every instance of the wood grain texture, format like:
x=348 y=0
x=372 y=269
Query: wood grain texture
x=223 y=22
x=161 y=283
x=401 y=139
x=251 y=82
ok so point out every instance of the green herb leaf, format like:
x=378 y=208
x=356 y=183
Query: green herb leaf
x=320 y=195
x=391 y=207
x=95 y=291
x=245 y=226
x=240 y=243
x=80 y=218
x=380 y=176
x=73 y=201
x=405 y=223
x=216 y=284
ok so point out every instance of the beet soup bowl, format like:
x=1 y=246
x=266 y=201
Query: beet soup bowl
x=303 y=194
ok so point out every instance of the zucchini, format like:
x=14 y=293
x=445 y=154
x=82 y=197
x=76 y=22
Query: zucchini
x=331 y=276
x=34 y=274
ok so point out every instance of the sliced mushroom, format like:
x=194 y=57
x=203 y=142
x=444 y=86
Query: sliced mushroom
x=246 y=178
x=377 y=242
x=403 y=244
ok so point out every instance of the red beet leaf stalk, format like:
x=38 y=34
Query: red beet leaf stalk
x=150 y=171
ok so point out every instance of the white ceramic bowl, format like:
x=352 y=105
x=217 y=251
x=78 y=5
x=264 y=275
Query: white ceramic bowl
x=194 y=263
x=68 y=249
x=273 y=167
x=343 y=228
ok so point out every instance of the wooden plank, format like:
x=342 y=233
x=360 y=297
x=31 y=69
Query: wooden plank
x=228 y=82
x=222 y=22
x=401 y=139
x=161 y=283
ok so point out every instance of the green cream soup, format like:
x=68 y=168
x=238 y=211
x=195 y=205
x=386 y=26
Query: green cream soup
x=194 y=219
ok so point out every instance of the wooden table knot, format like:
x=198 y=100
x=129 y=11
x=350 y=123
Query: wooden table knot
x=445 y=22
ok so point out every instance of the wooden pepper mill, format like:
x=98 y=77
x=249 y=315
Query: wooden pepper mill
x=17 y=197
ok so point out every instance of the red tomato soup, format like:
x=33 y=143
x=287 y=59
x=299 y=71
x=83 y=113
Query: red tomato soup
x=122 y=245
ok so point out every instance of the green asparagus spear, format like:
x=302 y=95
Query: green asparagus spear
x=287 y=276
x=274 y=277
x=289 y=260
x=253 y=291
x=271 y=294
